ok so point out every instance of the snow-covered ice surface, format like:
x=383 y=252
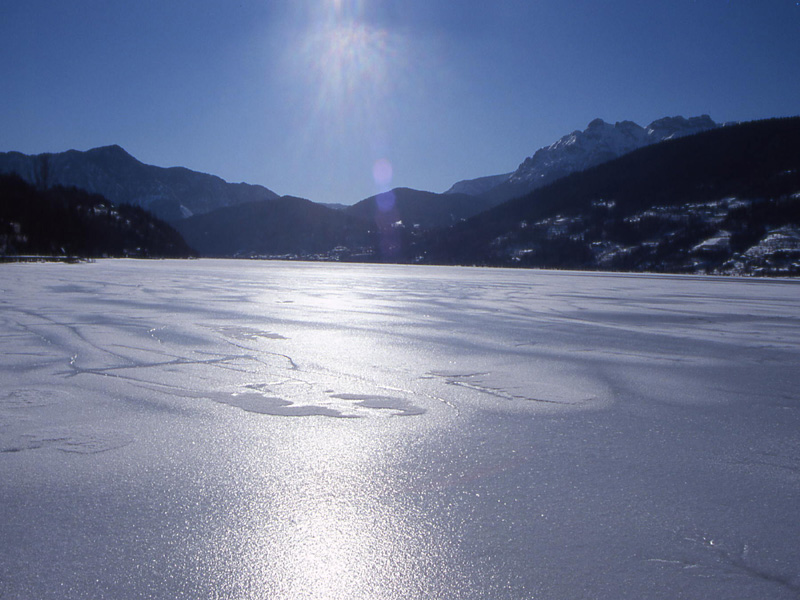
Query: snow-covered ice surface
x=237 y=430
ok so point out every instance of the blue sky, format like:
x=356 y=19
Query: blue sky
x=306 y=97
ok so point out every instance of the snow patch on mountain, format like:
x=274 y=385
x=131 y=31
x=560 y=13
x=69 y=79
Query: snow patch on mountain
x=785 y=239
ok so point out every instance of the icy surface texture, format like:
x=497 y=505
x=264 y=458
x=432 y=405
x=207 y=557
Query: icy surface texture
x=223 y=429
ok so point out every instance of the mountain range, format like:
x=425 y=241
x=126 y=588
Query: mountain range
x=568 y=205
x=579 y=150
x=170 y=194
x=177 y=193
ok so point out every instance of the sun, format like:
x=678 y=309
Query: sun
x=351 y=66
x=353 y=9
x=351 y=58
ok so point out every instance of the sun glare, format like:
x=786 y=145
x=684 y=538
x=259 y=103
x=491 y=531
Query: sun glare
x=345 y=8
x=350 y=66
x=350 y=72
x=351 y=63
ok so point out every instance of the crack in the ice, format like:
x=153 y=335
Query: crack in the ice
x=74 y=331
x=457 y=380
x=430 y=396
x=292 y=365
x=179 y=361
x=738 y=563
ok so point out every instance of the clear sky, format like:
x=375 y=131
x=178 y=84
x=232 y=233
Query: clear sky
x=334 y=100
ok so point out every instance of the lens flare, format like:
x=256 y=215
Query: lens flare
x=382 y=174
x=385 y=203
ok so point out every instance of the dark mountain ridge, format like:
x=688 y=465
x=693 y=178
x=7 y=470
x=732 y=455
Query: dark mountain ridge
x=169 y=193
x=288 y=227
x=426 y=210
x=295 y=226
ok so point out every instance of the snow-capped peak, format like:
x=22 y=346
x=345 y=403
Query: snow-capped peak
x=600 y=142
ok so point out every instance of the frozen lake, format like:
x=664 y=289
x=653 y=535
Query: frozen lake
x=248 y=430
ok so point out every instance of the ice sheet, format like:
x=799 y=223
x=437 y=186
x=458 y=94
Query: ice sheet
x=233 y=429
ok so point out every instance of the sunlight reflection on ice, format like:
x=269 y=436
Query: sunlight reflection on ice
x=333 y=543
x=166 y=432
x=333 y=529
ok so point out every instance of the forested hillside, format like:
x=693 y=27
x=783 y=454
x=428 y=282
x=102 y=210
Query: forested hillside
x=67 y=222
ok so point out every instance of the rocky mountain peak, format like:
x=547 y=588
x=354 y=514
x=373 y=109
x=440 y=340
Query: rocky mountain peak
x=598 y=143
x=597 y=125
x=114 y=150
x=670 y=127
